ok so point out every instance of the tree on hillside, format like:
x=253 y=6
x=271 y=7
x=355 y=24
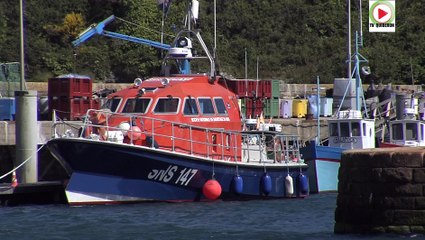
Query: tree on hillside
x=294 y=40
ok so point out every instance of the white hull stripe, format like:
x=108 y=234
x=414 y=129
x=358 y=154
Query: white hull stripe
x=78 y=198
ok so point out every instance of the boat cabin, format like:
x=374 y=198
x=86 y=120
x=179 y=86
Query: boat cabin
x=155 y=105
x=407 y=132
x=349 y=130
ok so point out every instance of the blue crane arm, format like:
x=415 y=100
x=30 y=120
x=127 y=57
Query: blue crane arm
x=98 y=29
x=136 y=40
x=91 y=31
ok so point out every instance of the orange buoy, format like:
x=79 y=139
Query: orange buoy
x=211 y=189
x=14 y=180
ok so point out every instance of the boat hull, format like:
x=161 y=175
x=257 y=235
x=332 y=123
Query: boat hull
x=323 y=162
x=105 y=172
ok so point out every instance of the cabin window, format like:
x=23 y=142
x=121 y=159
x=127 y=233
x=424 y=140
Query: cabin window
x=411 y=131
x=136 y=105
x=167 y=105
x=112 y=104
x=206 y=106
x=397 y=131
x=190 y=107
x=422 y=132
x=355 y=129
x=345 y=129
x=333 y=128
x=221 y=107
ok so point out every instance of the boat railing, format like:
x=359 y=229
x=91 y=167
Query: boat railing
x=211 y=143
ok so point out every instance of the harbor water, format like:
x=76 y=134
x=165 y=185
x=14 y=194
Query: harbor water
x=309 y=218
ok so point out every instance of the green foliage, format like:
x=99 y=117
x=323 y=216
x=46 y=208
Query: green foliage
x=293 y=40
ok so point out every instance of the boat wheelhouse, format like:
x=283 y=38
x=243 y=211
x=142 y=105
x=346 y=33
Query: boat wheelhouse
x=351 y=131
x=406 y=132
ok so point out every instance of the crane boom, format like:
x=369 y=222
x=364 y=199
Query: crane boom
x=98 y=29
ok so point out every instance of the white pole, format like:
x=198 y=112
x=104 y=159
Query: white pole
x=318 y=111
x=162 y=27
x=349 y=40
x=215 y=28
x=246 y=74
x=21 y=25
x=361 y=25
x=256 y=88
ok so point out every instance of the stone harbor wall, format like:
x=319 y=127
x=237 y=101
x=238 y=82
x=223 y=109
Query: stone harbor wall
x=381 y=191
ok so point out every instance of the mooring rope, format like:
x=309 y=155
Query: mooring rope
x=20 y=165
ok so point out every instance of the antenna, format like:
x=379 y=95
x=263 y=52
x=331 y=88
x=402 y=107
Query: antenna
x=360 y=23
x=162 y=27
x=411 y=72
x=246 y=74
x=349 y=40
x=215 y=29
x=256 y=88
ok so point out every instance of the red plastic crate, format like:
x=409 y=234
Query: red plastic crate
x=70 y=87
x=237 y=86
x=249 y=106
x=70 y=108
x=266 y=88
x=245 y=88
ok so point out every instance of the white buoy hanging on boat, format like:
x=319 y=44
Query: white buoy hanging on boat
x=211 y=189
x=266 y=184
x=289 y=185
x=237 y=184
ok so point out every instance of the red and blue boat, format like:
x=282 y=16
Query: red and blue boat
x=176 y=137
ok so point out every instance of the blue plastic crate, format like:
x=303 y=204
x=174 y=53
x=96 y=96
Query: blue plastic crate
x=7 y=109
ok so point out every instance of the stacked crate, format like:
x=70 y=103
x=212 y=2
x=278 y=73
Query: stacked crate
x=7 y=109
x=274 y=98
x=257 y=96
x=70 y=95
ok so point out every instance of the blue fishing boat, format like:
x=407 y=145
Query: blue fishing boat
x=349 y=130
